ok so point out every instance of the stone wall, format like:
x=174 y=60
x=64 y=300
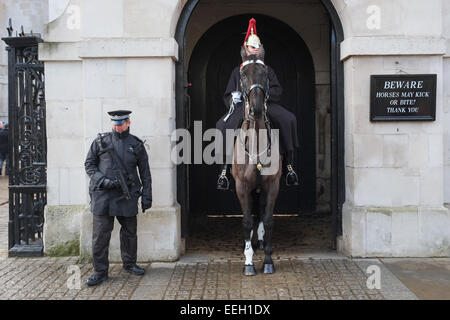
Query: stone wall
x=446 y=99
x=95 y=64
x=125 y=57
x=32 y=15
x=394 y=171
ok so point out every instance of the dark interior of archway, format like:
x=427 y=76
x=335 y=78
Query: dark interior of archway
x=211 y=63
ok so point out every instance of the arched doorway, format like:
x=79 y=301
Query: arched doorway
x=184 y=195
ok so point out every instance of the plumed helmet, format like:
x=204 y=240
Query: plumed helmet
x=251 y=38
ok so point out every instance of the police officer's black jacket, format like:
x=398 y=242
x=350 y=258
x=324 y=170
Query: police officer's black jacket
x=99 y=165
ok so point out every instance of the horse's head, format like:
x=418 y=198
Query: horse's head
x=254 y=83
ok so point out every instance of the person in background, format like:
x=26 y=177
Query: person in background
x=4 y=147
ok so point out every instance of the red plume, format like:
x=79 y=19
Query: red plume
x=251 y=25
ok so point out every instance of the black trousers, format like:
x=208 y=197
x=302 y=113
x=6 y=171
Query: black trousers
x=103 y=226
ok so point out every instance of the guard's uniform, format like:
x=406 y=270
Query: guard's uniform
x=280 y=117
x=109 y=203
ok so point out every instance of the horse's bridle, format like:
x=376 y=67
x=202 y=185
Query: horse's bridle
x=246 y=93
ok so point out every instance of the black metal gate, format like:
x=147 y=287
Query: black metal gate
x=27 y=145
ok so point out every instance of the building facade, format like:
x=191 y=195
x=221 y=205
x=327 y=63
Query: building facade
x=387 y=183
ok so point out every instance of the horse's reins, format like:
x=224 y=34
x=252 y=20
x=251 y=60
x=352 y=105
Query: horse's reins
x=246 y=94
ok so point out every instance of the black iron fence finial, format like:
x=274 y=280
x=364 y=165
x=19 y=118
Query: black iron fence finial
x=10 y=28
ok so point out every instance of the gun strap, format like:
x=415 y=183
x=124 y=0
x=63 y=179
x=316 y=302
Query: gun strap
x=116 y=159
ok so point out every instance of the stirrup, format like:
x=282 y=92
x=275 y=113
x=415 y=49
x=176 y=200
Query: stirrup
x=291 y=177
x=222 y=182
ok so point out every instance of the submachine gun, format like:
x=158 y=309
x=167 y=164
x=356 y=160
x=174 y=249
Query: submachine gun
x=122 y=175
x=123 y=178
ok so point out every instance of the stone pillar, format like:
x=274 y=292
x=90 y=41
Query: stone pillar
x=91 y=70
x=394 y=170
x=137 y=75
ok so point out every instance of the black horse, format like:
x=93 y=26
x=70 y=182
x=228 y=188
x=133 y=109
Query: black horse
x=256 y=161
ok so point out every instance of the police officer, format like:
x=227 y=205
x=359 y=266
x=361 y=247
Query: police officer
x=112 y=164
x=280 y=117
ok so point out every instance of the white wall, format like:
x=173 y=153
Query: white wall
x=32 y=14
x=100 y=56
x=394 y=170
x=446 y=98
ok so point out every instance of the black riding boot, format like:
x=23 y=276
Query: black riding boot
x=291 y=176
x=223 y=183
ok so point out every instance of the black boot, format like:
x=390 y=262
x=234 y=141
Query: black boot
x=223 y=183
x=96 y=279
x=134 y=269
x=291 y=175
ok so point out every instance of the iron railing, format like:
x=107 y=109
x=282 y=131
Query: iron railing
x=27 y=145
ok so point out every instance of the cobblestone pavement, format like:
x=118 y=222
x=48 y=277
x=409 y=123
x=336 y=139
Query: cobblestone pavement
x=294 y=279
x=51 y=278
x=196 y=277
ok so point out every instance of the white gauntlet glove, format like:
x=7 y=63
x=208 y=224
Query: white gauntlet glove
x=236 y=96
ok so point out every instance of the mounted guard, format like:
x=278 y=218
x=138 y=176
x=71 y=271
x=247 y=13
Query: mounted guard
x=252 y=92
x=280 y=118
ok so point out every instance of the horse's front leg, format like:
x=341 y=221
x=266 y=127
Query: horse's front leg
x=261 y=235
x=247 y=224
x=268 y=266
x=261 y=210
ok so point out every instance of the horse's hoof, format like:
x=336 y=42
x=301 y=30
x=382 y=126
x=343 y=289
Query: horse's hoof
x=249 y=270
x=268 y=268
x=261 y=244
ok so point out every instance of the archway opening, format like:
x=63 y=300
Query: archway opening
x=308 y=74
